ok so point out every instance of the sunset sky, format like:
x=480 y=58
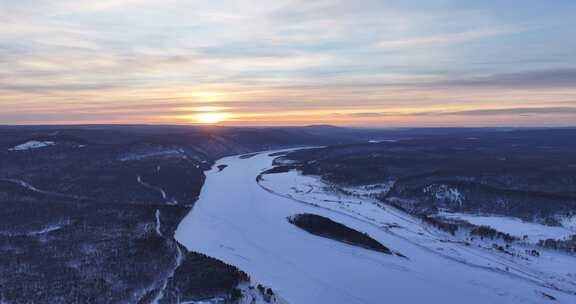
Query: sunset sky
x=289 y=62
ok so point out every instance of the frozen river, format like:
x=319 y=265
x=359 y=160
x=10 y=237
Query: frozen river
x=236 y=221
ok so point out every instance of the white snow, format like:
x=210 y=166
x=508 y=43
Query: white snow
x=377 y=141
x=241 y=223
x=30 y=187
x=158 y=223
x=217 y=300
x=369 y=190
x=445 y=192
x=33 y=144
x=160 y=190
x=23 y=184
x=513 y=226
x=251 y=295
x=47 y=229
x=179 y=153
x=179 y=258
x=569 y=222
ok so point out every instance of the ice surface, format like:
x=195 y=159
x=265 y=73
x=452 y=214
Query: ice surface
x=238 y=221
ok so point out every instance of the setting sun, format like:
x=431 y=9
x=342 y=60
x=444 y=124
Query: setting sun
x=210 y=118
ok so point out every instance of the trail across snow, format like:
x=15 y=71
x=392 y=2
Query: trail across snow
x=30 y=187
x=158 y=189
x=158 y=223
x=239 y=222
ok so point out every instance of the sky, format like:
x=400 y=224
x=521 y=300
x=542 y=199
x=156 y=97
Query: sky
x=376 y=63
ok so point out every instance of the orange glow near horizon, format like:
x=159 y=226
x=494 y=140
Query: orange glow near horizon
x=449 y=115
x=210 y=117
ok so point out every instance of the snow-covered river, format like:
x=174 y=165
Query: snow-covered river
x=235 y=220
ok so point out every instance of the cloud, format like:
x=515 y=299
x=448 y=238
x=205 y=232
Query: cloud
x=522 y=111
x=59 y=87
x=564 y=77
x=442 y=39
x=145 y=57
x=367 y=114
x=514 y=111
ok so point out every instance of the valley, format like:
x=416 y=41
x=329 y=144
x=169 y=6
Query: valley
x=241 y=219
x=174 y=214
